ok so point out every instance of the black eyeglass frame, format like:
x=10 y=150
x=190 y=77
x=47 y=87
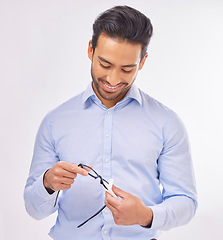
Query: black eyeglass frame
x=95 y=177
x=102 y=180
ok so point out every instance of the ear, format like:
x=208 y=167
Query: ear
x=90 y=50
x=143 y=61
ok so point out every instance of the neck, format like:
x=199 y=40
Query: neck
x=108 y=103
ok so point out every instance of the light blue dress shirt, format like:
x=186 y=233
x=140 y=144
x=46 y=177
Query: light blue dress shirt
x=139 y=143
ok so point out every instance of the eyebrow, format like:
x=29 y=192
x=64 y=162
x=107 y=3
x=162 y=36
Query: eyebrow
x=104 y=60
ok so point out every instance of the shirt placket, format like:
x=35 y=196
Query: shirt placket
x=107 y=152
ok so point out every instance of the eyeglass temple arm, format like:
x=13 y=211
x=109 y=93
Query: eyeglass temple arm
x=91 y=217
x=56 y=198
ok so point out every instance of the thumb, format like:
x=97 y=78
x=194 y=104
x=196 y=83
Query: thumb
x=119 y=192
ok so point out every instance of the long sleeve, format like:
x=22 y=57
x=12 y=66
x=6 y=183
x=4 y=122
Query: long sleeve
x=139 y=143
x=177 y=179
x=38 y=202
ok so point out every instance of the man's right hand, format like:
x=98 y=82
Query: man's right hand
x=61 y=176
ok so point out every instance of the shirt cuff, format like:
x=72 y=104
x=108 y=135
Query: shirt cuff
x=159 y=217
x=42 y=190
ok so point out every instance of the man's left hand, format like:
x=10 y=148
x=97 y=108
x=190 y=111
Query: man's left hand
x=128 y=210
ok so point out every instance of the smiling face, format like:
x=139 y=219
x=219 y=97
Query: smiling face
x=115 y=64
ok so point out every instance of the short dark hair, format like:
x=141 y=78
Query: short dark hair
x=125 y=23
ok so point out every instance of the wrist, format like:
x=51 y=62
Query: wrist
x=147 y=217
x=45 y=183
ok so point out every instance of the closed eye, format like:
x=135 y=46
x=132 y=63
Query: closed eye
x=107 y=67
x=126 y=71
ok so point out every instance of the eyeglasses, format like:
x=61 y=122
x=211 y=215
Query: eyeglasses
x=92 y=173
x=95 y=175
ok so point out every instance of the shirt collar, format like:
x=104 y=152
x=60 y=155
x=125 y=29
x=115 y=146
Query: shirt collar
x=88 y=93
x=133 y=93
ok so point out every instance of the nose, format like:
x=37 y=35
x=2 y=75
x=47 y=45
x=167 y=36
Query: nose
x=113 y=77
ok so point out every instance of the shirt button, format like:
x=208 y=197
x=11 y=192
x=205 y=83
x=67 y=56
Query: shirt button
x=105 y=231
x=106 y=160
x=107 y=135
x=106 y=211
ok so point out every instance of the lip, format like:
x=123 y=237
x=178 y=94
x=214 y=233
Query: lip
x=111 y=89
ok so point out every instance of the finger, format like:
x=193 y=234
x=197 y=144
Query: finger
x=110 y=206
x=64 y=186
x=88 y=168
x=120 y=193
x=112 y=209
x=79 y=170
x=65 y=173
x=111 y=201
x=67 y=181
x=73 y=168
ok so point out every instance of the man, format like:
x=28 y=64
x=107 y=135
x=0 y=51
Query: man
x=124 y=135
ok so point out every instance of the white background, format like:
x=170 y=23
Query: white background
x=43 y=62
